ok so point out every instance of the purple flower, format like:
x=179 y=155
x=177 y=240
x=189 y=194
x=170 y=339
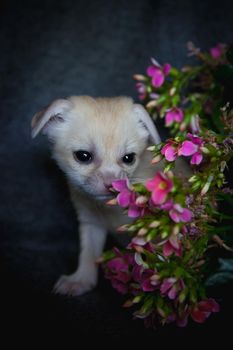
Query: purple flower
x=146 y=278
x=141 y=88
x=158 y=73
x=126 y=198
x=172 y=245
x=171 y=286
x=170 y=151
x=173 y=114
x=187 y=148
x=217 y=51
x=117 y=270
x=179 y=214
x=160 y=186
x=176 y=212
x=192 y=148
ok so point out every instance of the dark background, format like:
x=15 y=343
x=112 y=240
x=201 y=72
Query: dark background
x=52 y=49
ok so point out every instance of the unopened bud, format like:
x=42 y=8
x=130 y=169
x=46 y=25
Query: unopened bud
x=112 y=201
x=164 y=234
x=142 y=231
x=204 y=150
x=141 y=200
x=175 y=230
x=156 y=159
x=137 y=299
x=223 y=165
x=206 y=187
x=170 y=174
x=172 y=91
x=151 y=104
x=128 y=303
x=154 y=224
x=122 y=228
x=151 y=148
x=139 y=77
x=183 y=126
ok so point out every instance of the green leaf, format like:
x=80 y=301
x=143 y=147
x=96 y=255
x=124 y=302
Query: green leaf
x=108 y=255
x=140 y=188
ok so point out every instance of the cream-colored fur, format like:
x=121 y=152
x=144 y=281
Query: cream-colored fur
x=109 y=128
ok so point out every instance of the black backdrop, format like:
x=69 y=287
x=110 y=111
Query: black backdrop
x=52 y=49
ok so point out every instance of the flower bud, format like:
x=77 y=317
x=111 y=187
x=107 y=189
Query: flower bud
x=151 y=104
x=142 y=231
x=206 y=187
x=151 y=148
x=139 y=77
x=172 y=91
x=223 y=165
x=112 y=201
x=156 y=159
x=182 y=296
x=128 y=303
x=154 y=224
x=122 y=228
x=183 y=126
x=137 y=299
x=164 y=234
x=175 y=230
x=141 y=200
x=204 y=150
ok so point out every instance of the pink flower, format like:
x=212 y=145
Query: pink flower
x=158 y=73
x=217 y=51
x=170 y=151
x=141 y=88
x=144 y=278
x=126 y=198
x=117 y=270
x=160 y=186
x=172 y=245
x=192 y=148
x=173 y=114
x=171 y=287
x=203 y=310
x=188 y=148
x=179 y=214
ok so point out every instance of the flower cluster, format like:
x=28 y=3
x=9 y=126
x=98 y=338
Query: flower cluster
x=164 y=91
x=192 y=146
x=162 y=271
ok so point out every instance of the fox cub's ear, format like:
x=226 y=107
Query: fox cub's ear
x=49 y=117
x=146 y=121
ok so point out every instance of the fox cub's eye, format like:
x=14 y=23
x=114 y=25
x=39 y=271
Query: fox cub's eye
x=83 y=156
x=129 y=158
